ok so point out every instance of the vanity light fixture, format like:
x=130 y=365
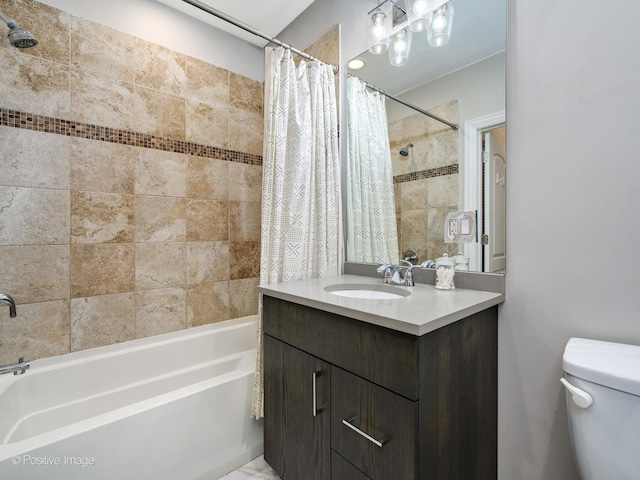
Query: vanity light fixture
x=378 y=28
x=390 y=26
x=418 y=13
x=400 y=47
x=439 y=29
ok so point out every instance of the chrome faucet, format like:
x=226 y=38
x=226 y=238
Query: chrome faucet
x=4 y=298
x=17 y=368
x=393 y=274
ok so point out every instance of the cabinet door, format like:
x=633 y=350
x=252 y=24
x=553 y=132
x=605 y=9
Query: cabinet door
x=297 y=421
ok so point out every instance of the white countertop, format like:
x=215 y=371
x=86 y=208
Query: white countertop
x=425 y=310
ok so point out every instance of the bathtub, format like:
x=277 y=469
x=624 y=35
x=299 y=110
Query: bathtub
x=174 y=406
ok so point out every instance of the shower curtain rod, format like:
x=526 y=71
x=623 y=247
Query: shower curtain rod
x=247 y=28
x=455 y=126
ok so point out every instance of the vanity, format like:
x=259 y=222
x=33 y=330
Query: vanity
x=379 y=389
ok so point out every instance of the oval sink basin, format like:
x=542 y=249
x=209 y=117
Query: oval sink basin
x=369 y=292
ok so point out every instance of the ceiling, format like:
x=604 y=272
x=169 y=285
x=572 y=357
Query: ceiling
x=268 y=16
x=479 y=31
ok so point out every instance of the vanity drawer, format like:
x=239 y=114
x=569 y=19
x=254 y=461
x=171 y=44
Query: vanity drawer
x=386 y=357
x=373 y=428
x=343 y=470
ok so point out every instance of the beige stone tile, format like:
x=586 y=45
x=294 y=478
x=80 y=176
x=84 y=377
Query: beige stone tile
x=101 y=269
x=100 y=49
x=33 y=216
x=207 y=220
x=436 y=151
x=414 y=232
x=443 y=191
x=160 y=219
x=33 y=274
x=160 y=173
x=101 y=217
x=101 y=100
x=207 y=262
x=102 y=320
x=160 y=311
x=160 y=265
x=207 y=124
x=102 y=167
x=435 y=233
x=159 y=68
x=414 y=195
x=245 y=93
x=327 y=47
x=244 y=260
x=40 y=330
x=246 y=132
x=207 y=83
x=244 y=221
x=159 y=113
x=33 y=85
x=49 y=25
x=207 y=178
x=243 y=297
x=207 y=303
x=34 y=159
x=245 y=182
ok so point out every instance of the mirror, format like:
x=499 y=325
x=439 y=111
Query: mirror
x=436 y=169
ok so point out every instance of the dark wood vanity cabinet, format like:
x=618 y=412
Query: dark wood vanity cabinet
x=347 y=400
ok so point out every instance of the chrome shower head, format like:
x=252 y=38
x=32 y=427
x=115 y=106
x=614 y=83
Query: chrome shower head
x=405 y=151
x=18 y=37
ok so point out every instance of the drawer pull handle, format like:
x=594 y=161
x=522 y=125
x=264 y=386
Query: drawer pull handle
x=315 y=396
x=360 y=432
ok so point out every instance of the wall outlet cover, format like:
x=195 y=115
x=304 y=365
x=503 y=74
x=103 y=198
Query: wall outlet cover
x=460 y=227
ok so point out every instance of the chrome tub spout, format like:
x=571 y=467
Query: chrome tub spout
x=17 y=368
x=4 y=298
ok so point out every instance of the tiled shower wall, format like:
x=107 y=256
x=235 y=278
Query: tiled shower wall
x=426 y=181
x=129 y=188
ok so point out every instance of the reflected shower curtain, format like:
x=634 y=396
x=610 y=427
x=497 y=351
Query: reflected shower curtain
x=372 y=232
x=301 y=180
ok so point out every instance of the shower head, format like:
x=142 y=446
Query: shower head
x=18 y=37
x=405 y=151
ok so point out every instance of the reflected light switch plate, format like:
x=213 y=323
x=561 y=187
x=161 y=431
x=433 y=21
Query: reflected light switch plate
x=460 y=227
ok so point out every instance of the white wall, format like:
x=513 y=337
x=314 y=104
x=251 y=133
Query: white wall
x=487 y=76
x=573 y=204
x=160 y=24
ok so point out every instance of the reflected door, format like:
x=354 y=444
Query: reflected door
x=495 y=211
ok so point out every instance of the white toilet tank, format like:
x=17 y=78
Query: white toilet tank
x=605 y=434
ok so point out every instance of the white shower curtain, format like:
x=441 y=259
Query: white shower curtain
x=372 y=233
x=301 y=228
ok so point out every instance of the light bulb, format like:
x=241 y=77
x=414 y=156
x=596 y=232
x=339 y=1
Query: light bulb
x=378 y=40
x=439 y=22
x=420 y=8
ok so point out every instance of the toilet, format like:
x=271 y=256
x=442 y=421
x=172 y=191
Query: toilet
x=602 y=381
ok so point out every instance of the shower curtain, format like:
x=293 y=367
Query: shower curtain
x=372 y=233
x=301 y=226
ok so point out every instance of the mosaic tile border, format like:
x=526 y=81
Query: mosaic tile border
x=70 y=128
x=432 y=172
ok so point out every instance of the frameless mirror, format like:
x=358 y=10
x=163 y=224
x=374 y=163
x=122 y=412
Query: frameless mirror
x=406 y=175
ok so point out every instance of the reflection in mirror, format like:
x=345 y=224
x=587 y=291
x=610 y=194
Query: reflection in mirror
x=435 y=169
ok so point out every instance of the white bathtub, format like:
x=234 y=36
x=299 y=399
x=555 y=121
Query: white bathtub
x=175 y=406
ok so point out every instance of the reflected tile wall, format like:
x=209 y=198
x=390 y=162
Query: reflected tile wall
x=426 y=181
x=118 y=234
